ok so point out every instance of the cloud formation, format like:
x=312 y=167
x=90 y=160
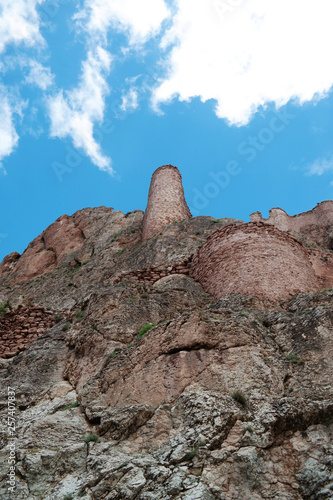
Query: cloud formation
x=245 y=54
x=321 y=166
x=39 y=75
x=8 y=134
x=139 y=20
x=130 y=100
x=75 y=112
x=19 y=23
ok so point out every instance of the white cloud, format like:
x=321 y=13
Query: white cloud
x=8 y=134
x=320 y=166
x=259 y=52
x=130 y=100
x=74 y=113
x=139 y=19
x=19 y=23
x=39 y=75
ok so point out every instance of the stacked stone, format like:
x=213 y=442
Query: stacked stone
x=20 y=327
x=166 y=201
x=150 y=275
x=254 y=259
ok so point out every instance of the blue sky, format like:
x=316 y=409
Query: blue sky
x=96 y=94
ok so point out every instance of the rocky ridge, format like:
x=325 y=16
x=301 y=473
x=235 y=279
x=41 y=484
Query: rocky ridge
x=146 y=387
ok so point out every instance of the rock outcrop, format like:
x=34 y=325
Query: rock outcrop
x=166 y=201
x=123 y=377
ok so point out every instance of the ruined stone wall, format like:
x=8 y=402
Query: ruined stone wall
x=313 y=223
x=166 y=201
x=254 y=259
x=149 y=276
x=20 y=327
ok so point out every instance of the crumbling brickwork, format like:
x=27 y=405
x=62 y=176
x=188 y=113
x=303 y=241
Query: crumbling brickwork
x=316 y=223
x=166 y=201
x=149 y=276
x=20 y=327
x=254 y=259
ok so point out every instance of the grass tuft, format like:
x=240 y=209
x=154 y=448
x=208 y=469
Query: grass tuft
x=145 y=329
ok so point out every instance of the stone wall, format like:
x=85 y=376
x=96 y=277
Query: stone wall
x=149 y=276
x=20 y=327
x=254 y=259
x=314 y=223
x=166 y=201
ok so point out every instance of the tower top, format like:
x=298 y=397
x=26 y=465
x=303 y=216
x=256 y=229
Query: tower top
x=166 y=201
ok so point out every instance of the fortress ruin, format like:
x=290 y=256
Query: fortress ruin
x=254 y=259
x=316 y=224
x=166 y=201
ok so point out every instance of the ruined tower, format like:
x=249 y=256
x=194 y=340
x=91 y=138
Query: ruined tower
x=254 y=259
x=166 y=201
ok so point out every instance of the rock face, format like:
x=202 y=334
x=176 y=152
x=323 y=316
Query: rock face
x=166 y=201
x=315 y=224
x=139 y=384
x=254 y=259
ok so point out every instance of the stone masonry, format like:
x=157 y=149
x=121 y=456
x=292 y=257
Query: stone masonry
x=254 y=259
x=166 y=201
x=316 y=223
x=20 y=327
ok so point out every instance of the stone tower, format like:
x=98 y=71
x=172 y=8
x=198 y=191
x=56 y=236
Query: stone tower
x=166 y=201
x=254 y=259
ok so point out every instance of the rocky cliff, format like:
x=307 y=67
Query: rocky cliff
x=126 y=379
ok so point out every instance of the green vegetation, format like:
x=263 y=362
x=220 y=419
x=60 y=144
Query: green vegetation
x=58 y=318
x=114 y=354
x=73 y=405
x=145 y=329
x=131 y=301
x=4 y=306
x=80 y=315
x=249 y=428
x=188 y=457
x=69 y=496
x=129 y=345
x=295 y=359
x=66 y=326
x=216 y=221
x=240 y=397
x=81 y=493
x=90 y=437
x=115 y=236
